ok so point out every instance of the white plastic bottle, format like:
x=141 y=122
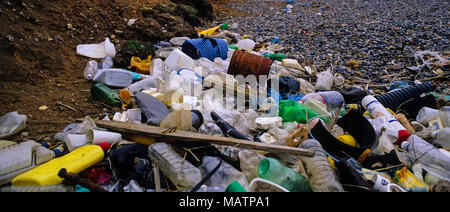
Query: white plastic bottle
x=442 y=137
x=431 y=159
x=178 y=60
x=376 y=110
x=90 y=69
x=181 y=173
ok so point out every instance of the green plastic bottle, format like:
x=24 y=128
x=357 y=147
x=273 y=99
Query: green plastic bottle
x=290 y=110
x=272 y=170
x=235 y=186
x=278 y=57
x=106 y=95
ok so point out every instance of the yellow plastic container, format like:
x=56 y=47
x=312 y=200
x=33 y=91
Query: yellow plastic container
x=209 y=31
x=75 y=162
x=142 y=66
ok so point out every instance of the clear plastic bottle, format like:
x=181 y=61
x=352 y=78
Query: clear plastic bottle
x=444 y=114
x=90 y=69
x=319 y=170
x=181 y=173
x=224 y=175
x=442 y=137
x=431 y=159
x=427 y=114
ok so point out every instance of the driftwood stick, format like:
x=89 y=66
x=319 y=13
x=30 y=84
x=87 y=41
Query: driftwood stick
x=155 y=132
x=67 y=106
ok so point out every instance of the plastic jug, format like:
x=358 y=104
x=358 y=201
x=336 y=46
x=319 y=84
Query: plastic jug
x=18 y=158
x=12 y=123
x=157 y=68
x=100 y=50
x=142 y=66
x=75 y=162
x=114 y=77
x=272 y=170
x=178 y=60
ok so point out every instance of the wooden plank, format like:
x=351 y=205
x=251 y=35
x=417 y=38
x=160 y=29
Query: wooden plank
x=157 y=133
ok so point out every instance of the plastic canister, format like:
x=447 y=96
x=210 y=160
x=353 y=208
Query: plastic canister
x=376 y=110
x=142 y=66
x=178 y=60
x=114 y=77
x=75 y=162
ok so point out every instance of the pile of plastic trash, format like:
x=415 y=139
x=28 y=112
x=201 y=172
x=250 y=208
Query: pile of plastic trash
x=252 y=103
